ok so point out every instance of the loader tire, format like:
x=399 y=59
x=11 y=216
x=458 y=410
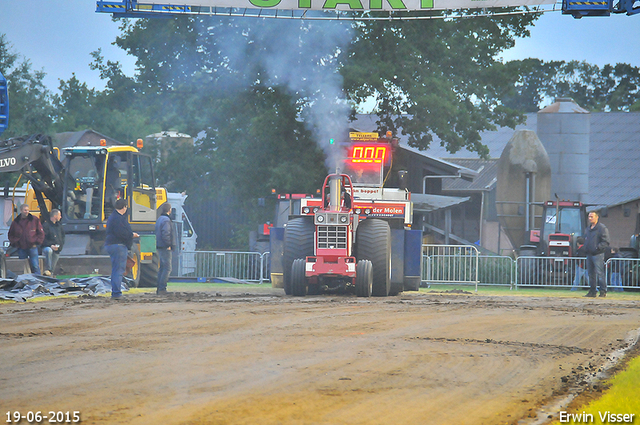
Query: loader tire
x=3 y=265
x=373 y=240
x=364 y=278
x=298 y=243
x=149 y=273
x=134 y=274
x=298 y=279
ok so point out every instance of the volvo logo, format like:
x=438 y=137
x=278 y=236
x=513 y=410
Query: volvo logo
x=6 y=162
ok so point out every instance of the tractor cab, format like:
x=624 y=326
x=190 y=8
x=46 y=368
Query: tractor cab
x=337 y=193
x=564 y=221
x=334 y=225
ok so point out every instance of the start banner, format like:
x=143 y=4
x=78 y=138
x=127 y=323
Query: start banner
x=205 y=6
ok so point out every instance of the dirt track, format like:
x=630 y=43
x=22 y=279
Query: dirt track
x=263 y=358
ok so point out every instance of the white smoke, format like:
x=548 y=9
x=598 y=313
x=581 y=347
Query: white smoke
x=302 y=56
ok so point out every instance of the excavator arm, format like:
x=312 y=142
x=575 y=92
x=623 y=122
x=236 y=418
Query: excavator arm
x=34 y=157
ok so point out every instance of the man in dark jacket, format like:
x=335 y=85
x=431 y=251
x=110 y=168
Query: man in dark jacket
x=165 y=245
x=26 y=235
x=53 y=241
x=596 y=241
x=118 y=241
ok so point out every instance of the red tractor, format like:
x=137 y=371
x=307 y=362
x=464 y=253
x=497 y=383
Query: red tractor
x=564 y=221
x=333 y=265
x=357 y=237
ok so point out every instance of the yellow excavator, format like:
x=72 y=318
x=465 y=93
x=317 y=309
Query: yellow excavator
x=84 y=182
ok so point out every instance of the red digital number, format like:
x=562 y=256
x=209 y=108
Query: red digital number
x=369 y=154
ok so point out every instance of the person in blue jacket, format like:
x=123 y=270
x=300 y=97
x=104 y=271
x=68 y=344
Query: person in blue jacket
x=118 y=242
x=165 y=245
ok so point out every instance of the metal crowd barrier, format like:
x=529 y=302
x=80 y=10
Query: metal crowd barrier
x=622 y=273
x=496 y=270
x=572 y=272
x=450 y=264
x=442 y=264
x=551 y=271
x=247 y=266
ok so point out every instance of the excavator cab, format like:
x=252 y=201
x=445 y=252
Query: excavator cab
x=98 y=176
x=83 y=197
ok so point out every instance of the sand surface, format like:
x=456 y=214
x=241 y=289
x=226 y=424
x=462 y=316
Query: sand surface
x=259 y=357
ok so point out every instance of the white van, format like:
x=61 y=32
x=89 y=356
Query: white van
x=184 y=262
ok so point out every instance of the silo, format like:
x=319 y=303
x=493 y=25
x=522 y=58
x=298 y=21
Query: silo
x=563 y=129
x=523 y=178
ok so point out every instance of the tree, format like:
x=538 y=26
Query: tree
x=30 y=101
x=74 y=105
x=610 y=88
x=212 y=78
x=436 y=77
x=534 y=84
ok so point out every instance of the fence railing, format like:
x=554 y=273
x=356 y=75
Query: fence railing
x=247 y=266
x=470 y=267
x=450 y=264
x=620 y=273
x=550 y=271
x=442 y=264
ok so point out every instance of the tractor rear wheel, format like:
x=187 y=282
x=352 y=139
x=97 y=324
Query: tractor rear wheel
x=298 y=243
x=298 y=279
x=364 y=278
x=373 y=240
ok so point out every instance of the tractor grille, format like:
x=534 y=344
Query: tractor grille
x=332 y=237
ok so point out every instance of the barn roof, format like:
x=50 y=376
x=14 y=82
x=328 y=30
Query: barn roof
x=614 y=157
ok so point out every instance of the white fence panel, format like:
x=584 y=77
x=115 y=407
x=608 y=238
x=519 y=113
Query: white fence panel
x=551 y=271
x=450 y=264
x=248 y=266
x=496 y=270
x=622 y=273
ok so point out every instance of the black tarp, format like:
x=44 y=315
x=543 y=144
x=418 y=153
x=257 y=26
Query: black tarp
x=28 y=286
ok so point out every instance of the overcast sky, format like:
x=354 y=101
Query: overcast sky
x=57 y=36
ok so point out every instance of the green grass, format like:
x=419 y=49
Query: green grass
x=530 y=292
x=482 y=291
x=620 y=398
x=207 y=286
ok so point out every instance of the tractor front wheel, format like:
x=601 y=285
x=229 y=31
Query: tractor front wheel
x=364 y=278
x=298 y=279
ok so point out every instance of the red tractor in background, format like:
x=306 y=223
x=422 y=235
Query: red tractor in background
x=563 y=222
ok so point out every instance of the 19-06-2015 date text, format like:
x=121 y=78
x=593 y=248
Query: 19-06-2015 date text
x=49 y=417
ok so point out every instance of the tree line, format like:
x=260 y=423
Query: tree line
x=260 y=95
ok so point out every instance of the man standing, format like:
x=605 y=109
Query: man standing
x=53 y=241
x=26 y=234
x=596 y=240
x=165 y=244
x=117 y=243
